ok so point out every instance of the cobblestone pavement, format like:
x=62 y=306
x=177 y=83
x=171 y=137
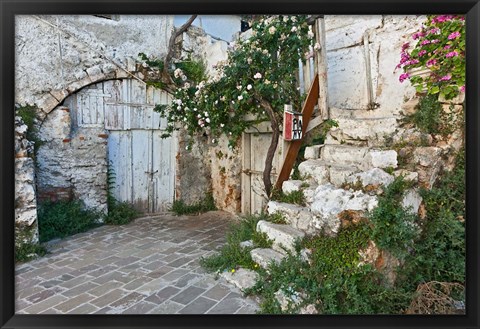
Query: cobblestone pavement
x=150 y=266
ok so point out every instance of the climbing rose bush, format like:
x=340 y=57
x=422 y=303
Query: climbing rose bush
x=258 y=69
x=439 y=47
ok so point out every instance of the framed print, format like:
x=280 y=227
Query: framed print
x=220 y=164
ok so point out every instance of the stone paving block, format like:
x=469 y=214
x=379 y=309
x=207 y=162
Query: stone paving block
x=218 y=292
x=187 y=280
x=140 y=308
x=76 y=281
x=160 y=272
x=74 y=302
x=167 y=307
x=84 y=309
x=27 y=292
x=39 y=296
x=228 y=306
x=108 y=298
x=199 y=306
x=132 y=285
x=163 y=295
x=187 y=295
x=84 y=287
x=152 y=286
x=175 y=274
x=105 y=288
x=122 y=267
x=126 y=302
x=46 y=304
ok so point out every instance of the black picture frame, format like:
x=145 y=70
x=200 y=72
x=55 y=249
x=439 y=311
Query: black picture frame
x=10 y=8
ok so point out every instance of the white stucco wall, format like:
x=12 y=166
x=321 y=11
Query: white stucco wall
x=346 y=60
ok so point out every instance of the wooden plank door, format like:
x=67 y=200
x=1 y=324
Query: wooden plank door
x=255 y=147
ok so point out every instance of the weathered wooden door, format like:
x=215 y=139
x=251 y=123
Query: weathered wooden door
x=255 y=143
x=143 y=162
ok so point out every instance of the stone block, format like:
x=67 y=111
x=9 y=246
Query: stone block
x=381 y=159
x=411 y=201
x=374 y=176
x=265 y=256
x=338 y=174
x=298 y=217
x=241 y=278
x=287 y=300
x=427 y=156
x=330 y=201
x=344 y=154
x=283 y=236
x=290 y=186
x=315 y=170
x=246 y=244
x=407 y=175
x=312 y=152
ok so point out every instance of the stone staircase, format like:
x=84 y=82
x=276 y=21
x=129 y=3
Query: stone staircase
x=328 y=173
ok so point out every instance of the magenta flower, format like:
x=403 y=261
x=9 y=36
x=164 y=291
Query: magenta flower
x=431 y=62
x=442 y=18
x=422 y=52
x=403 y=77
x=433 y=31
x=417 y=35
x=405 y=46
x=447 y=47
x=451 y=54
x=435 y=41
x=462 y=89
x=453 y=35
x=446 y=78
x=425 y=42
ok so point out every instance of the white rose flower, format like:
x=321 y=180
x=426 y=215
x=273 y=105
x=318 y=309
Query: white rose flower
x=206 y=114
x=294 y=29
x=249 y=87
x=239 y=87
x=258 y=75
x=272 y=30
x=310 y=34
x=222 y=125
x=208 y=120
x=249 y=60
x=240 y=97
x=316 y=46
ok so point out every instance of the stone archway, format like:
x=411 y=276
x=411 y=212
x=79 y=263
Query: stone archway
x=107 y=123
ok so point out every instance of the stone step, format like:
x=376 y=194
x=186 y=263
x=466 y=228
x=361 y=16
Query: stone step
x=362 y=157
x=322 y=172
x=241 y=278
x=300 y=218
x=344 y=154
x=283 y=236
x=330 y=201
x=367 y=131
x=265 y=256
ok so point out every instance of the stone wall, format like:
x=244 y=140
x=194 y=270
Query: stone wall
x=26 y=226
x=58 y=55
x=72 y=164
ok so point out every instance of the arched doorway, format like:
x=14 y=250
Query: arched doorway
x=120 y=115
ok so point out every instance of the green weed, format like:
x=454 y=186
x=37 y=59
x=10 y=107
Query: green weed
x=179 y=207
x=64 y=218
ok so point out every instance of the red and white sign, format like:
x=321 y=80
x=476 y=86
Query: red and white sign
x=292 y=124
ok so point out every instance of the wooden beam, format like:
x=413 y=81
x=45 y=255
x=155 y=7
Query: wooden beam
x=292 y=152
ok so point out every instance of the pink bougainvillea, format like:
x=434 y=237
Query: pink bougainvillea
x=439 y=47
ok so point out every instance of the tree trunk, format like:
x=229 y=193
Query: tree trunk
x=275 y=122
